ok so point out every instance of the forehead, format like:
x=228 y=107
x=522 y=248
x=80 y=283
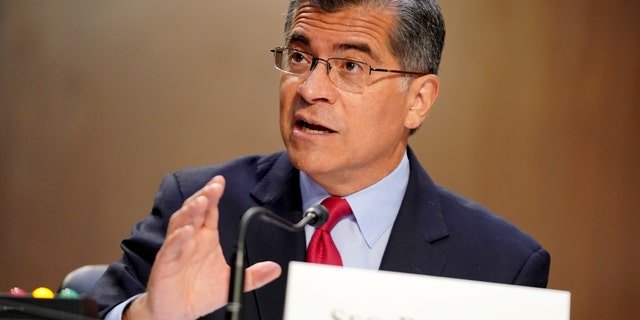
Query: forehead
x=363 y=28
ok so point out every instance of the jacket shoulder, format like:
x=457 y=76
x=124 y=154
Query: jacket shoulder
x=244 y=170
x=495 y=249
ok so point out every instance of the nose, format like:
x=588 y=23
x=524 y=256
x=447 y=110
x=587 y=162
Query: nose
x=317 y=86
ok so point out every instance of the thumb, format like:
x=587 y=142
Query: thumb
x=261 y=274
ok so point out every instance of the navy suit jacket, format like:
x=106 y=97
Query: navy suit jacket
x=436 y=233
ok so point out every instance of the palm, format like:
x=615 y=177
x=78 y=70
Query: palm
x=190 y=276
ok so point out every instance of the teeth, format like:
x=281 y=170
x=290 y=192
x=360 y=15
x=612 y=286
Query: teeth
x=313 y=131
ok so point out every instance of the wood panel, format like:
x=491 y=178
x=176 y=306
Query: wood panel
x=537 y=120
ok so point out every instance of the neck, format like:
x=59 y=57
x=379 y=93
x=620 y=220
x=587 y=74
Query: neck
x=343 y=184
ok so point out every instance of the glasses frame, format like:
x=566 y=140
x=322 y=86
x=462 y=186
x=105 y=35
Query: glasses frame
x=314 y=63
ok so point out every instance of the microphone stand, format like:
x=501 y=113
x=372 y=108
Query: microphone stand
x=316 y=216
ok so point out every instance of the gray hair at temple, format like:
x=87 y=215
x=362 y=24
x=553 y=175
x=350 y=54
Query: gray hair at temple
x=417 y=38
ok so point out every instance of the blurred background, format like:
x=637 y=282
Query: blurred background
x=537 y=120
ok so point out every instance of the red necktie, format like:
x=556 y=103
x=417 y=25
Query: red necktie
x=321 y=247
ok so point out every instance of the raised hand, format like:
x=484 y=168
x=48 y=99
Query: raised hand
x=190 y=277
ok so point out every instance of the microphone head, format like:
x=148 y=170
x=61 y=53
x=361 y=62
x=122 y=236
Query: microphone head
x=320 y=213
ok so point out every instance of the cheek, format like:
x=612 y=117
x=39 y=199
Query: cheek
x=287 y=98
x=385 y=112
x=288 y=89
x=288 y=85
x=380 y=123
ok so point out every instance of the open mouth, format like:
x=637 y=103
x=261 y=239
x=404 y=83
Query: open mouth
x=311 y=128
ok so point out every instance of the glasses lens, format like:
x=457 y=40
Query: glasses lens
x=346 y=74
x=349 y=74
x=292 y=61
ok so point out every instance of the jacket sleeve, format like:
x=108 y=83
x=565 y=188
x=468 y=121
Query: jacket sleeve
x=129 y=275
x=535 y=271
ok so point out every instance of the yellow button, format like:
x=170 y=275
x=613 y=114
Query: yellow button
x=43 y=293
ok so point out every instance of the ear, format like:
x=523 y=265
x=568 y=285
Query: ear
x=421 y=96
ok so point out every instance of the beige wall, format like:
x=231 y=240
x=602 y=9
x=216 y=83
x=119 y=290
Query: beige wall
x=537 y=120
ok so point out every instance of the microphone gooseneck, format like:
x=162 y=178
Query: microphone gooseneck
x=315 y=216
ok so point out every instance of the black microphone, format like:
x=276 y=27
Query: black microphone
x=315 y=216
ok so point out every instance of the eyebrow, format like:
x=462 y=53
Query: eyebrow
x=298 y=38
x=361 y=47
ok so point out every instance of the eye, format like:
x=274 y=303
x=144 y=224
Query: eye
x=352 y=66
x=296 y=57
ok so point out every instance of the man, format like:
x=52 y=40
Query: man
x=358 y=77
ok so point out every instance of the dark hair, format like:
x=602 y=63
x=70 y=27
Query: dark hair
x=417 y=38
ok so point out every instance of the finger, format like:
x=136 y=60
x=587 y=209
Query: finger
x=190 y=212
x=261 y=274
x=176 y=245
x=215 y=179
x=213 y=193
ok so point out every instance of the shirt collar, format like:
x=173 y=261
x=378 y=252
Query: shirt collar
x=375 y=208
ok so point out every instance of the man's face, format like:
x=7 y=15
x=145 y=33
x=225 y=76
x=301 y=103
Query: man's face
x=345 y=141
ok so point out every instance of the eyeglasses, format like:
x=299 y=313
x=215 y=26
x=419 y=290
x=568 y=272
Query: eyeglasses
x=350 y=75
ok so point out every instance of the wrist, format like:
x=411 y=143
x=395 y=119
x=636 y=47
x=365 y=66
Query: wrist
x=138 y=309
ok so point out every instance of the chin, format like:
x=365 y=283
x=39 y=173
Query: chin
x=308 y=161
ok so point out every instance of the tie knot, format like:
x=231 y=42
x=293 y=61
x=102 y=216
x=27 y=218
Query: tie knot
x=338 y=208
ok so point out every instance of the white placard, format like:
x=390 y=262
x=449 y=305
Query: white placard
x=319 y=292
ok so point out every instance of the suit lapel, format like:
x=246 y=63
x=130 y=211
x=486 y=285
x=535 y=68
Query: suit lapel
x=419 y=224
x=279 y=192
x=410 y=249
